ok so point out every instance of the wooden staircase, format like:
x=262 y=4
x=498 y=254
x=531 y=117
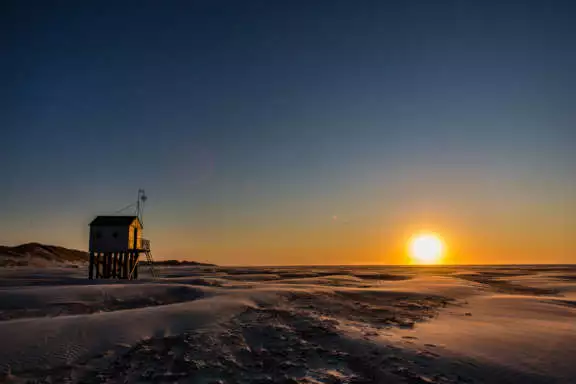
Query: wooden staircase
x=150 y=262
x=145 y=248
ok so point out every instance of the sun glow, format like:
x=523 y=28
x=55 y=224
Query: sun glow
x=426 y=248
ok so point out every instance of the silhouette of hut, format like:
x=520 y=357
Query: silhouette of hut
x=115 y=246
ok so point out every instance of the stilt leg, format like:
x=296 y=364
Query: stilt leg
x=124 y=265
x=124 y=269
x=130 y=266
x=91 y=266
x=120 y=269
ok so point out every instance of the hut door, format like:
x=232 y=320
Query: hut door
x=135 y=238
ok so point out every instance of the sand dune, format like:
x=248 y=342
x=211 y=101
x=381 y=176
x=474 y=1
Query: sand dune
x=40 y=255
x=291 y=325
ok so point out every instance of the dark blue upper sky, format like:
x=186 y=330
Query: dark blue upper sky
x=252 y=124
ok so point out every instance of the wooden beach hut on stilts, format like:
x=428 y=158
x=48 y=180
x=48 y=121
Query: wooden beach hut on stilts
x=116 y=244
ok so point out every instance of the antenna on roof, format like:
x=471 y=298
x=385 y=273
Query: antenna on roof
x=140 y=204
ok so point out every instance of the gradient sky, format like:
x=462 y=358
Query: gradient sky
x=293 y=132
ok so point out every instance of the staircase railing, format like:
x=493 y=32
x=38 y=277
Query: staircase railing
x=145 y=244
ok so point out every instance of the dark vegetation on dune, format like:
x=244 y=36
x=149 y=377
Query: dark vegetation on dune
x=22 y=255
x=36 y=254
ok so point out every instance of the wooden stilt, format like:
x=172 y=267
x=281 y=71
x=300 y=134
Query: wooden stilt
x=120 y=265
x=124 y=265
x=131 y=266
x=127 y=264
x=97 y=264
x=91 y=266
x=114 y=264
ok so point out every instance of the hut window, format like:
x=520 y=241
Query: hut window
x=115 y=235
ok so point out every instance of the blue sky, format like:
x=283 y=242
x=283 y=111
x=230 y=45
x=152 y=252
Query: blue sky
x=252 y=124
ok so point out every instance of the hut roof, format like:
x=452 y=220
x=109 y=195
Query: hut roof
x=113 y=221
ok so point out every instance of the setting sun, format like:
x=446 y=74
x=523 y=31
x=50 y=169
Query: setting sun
x=426 y=248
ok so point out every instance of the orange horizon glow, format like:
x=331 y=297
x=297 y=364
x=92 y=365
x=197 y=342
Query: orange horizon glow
x=383 y=241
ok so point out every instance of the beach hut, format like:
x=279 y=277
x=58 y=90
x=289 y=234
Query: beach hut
x=115 y=246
